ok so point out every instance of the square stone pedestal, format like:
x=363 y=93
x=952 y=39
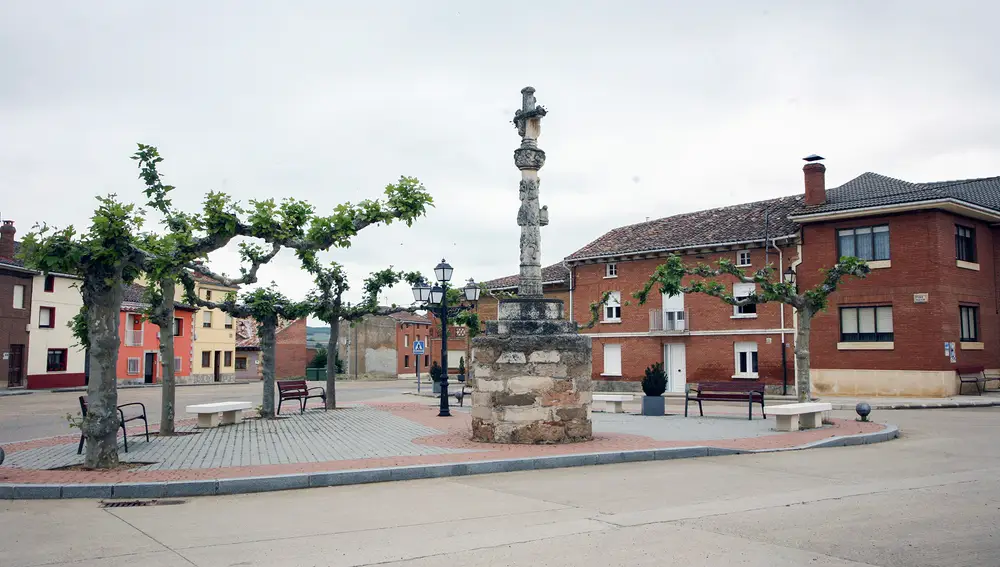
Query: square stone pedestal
x=531 y=377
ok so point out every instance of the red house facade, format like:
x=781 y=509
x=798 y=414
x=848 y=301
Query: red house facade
x=139 y=350
x=929 y=306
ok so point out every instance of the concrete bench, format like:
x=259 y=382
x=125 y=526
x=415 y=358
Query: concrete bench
x=208 y=414
x=613 y=400
x=788 y=416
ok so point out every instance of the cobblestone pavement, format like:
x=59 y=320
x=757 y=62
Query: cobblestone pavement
x=378 y=436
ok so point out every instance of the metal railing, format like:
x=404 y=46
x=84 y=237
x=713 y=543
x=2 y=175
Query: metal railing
x=133 y=338
x=668 y=321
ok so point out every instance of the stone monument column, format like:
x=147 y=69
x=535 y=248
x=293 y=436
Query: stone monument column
x=531 y=370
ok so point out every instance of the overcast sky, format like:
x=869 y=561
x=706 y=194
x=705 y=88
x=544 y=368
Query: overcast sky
x=656 y=108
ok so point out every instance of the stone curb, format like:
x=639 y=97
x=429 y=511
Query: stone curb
x=131 y=386
x=184 y=488
x=16 y=392
x=914 y=405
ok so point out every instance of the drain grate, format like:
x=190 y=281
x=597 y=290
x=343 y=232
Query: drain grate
x=138 y=503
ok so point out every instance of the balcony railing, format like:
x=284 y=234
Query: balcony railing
x=668 y=321
x=133 y=338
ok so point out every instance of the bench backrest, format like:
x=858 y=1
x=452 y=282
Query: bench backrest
x=291 y=386
x=740 y=387
x=962 y=370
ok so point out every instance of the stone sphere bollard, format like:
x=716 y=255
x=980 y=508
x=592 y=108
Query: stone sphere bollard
x=863 y=410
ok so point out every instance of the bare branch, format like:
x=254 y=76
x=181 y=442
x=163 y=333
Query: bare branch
x=248 y=278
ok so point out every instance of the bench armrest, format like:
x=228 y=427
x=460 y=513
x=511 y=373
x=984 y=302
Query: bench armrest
x=134 y=404
x=320 y=388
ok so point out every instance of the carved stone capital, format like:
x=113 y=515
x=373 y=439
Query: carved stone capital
x=529 y=158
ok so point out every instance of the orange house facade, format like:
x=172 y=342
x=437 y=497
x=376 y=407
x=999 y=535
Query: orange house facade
x=139 y=350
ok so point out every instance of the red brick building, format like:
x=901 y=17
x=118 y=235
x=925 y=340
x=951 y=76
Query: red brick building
x=291 y=353
x=411 y=327
x=15 y=311
x=934 y=282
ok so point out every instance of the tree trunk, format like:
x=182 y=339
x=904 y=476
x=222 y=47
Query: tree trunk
x=165 y=320
x=267 y=331
x=331 y=363
x=803 y=384
x=100 y=427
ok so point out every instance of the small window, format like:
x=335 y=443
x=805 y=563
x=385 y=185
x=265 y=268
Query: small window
x=206 y=319
x=178 y=364
x=611 y=270
x=406 y=361
x=50 y=283
x=741 y=290
x=227 y=358
x=229 y=321
x=406 y=340
x=18 y=296
x=743 y=258
x=133 y=366
x=866 y=243
x=970 y=323
x=241 y=363
x=746 y=360
x=612 y=360
x=46 y=317
x=206 y=358
x=178 y=327
x=208 y=294
x=56 y=361
x=613 y=307
x=965 y=243
x=866 y=324
x=427 y=360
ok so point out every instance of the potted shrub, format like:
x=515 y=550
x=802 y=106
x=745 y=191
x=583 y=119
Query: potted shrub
x=653 y=385
x=437 y=373
x=461 y=369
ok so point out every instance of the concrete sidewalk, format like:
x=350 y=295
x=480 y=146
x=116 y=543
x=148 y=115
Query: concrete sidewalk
x=988 y=399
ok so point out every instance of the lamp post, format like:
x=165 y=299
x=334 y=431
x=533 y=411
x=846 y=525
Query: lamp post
x=438 y=296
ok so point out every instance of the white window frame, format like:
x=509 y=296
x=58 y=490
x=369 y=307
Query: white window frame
x=52 y=314
x=612 y=352
x=744 y=290
x=18 y=297
x=611 y=270
x=134 y=366
x=743 y=258
x=206 y=317
x=228 y=321
x=749 y=348
x=406 y=341
x=613 y=308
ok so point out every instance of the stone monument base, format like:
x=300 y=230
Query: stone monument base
x=531 y=377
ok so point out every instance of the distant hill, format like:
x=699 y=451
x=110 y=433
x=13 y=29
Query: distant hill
x=317 y=335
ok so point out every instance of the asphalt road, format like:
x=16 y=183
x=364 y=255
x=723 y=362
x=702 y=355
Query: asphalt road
x=930 y=498
x=43 y=413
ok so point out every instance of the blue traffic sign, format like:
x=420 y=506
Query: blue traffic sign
x=418 y=347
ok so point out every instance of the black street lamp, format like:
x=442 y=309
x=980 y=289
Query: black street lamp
x=790 y=276
x=438 y=296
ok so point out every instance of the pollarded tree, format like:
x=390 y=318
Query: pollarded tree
x=327 y=303
x=668 y=278
x=291 y=224
x=107 y=258
x=266 y=306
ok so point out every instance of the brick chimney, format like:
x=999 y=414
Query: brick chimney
x=815 y=174
x=7 y=232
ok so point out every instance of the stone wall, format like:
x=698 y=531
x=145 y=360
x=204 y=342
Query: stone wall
x=369 y=347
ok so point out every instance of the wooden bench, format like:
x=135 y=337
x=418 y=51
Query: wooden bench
x=810 y=414
x=123 y=416
x=614 y=401
x=973 y=375
x=298 y=390
x=725 y=392
x=208 y=414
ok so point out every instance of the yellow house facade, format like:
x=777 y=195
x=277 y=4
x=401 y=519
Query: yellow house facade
x=213 y=348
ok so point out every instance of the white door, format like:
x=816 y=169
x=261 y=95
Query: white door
x=675 y=364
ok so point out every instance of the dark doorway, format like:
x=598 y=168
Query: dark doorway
x=218 y=370
x=15 y=367
x=150 y=367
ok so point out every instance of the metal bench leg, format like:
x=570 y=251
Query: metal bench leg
x=125 y=437
x=79 y=450
x=279 y=406
x=147 y=427
x=751 y=409
x=701 y=410
x=686 y=400
x=764 y=415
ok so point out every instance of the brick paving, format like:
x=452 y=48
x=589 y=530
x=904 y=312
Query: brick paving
x=375 y=436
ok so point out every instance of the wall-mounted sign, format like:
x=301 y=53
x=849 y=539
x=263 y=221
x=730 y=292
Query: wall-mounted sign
x=6 y=356
x=921 y=297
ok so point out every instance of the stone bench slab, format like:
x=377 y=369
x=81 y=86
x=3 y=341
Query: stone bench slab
x=787 y=417
x=208 y=414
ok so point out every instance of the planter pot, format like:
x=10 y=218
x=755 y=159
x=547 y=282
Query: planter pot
x=461 y=377
x=437 y=388
x=654 y=405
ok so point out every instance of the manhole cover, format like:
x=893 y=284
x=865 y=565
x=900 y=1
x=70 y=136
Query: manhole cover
x=138 y=503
